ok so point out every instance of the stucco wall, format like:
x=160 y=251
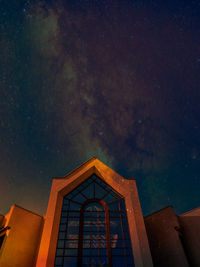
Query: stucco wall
x=190 y=226
x=20 y=246
x=166 y=247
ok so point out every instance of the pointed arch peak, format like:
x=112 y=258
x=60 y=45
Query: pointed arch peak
x=95 y=166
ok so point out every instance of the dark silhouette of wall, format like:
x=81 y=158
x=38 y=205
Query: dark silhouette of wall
x=165 y=243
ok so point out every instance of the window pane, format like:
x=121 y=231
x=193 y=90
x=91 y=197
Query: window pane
x=114 y=206
x=89 y=191
x=130 y=260
x=70 y=236
x=118 y=261
x=116 y=242
x=128 y=251
x=74 y=206
x=99 y=191
x=58 y=260
x=63 y=220
x=86 y=252
x=73 y=227
x=118 y=251
x=86 y=243
x=71 y=252
x=71 y=243
x=65 y=202
x=60 y=244
x=65 y=207
x=63 y=227
x=128 y=243
x=70 y=261
x=61 y=235
x=79 y=198
x=109 y=198
x=59 y=252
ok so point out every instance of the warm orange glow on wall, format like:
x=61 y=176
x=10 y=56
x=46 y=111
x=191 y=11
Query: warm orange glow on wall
x=20 y=246
x=125 y=187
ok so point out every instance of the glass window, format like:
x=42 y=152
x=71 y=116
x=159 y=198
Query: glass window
x=92 y=247
x=93 y=228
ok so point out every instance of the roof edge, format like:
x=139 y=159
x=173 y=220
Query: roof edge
x=78 y=168
x=34 y=213
x=158 y=211
x=189 y=211
x=84 y=164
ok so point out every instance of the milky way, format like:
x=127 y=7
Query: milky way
x=119 y=81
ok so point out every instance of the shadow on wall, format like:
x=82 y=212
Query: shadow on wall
x=174 y=240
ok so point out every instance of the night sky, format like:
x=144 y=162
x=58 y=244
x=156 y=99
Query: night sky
x=119 y=80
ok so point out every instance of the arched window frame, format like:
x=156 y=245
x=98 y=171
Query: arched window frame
x=81 y=226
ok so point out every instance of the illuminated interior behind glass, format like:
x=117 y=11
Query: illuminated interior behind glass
x=93 y=228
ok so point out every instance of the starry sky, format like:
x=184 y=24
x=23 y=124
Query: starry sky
x=119 y=80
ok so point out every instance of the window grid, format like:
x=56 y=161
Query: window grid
x=120 y=243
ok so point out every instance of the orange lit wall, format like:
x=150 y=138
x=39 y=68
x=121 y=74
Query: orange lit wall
x=20 y=245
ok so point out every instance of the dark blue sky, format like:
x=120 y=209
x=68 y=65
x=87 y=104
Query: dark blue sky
x=118 y=80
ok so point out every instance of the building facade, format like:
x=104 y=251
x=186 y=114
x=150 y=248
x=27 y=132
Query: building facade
x=94 y=218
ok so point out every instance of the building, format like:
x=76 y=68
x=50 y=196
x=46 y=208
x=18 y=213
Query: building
x=94 y=218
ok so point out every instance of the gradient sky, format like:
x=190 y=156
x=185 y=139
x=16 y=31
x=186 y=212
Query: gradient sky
x=119 y=80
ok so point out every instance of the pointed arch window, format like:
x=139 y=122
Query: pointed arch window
x=94 y=229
